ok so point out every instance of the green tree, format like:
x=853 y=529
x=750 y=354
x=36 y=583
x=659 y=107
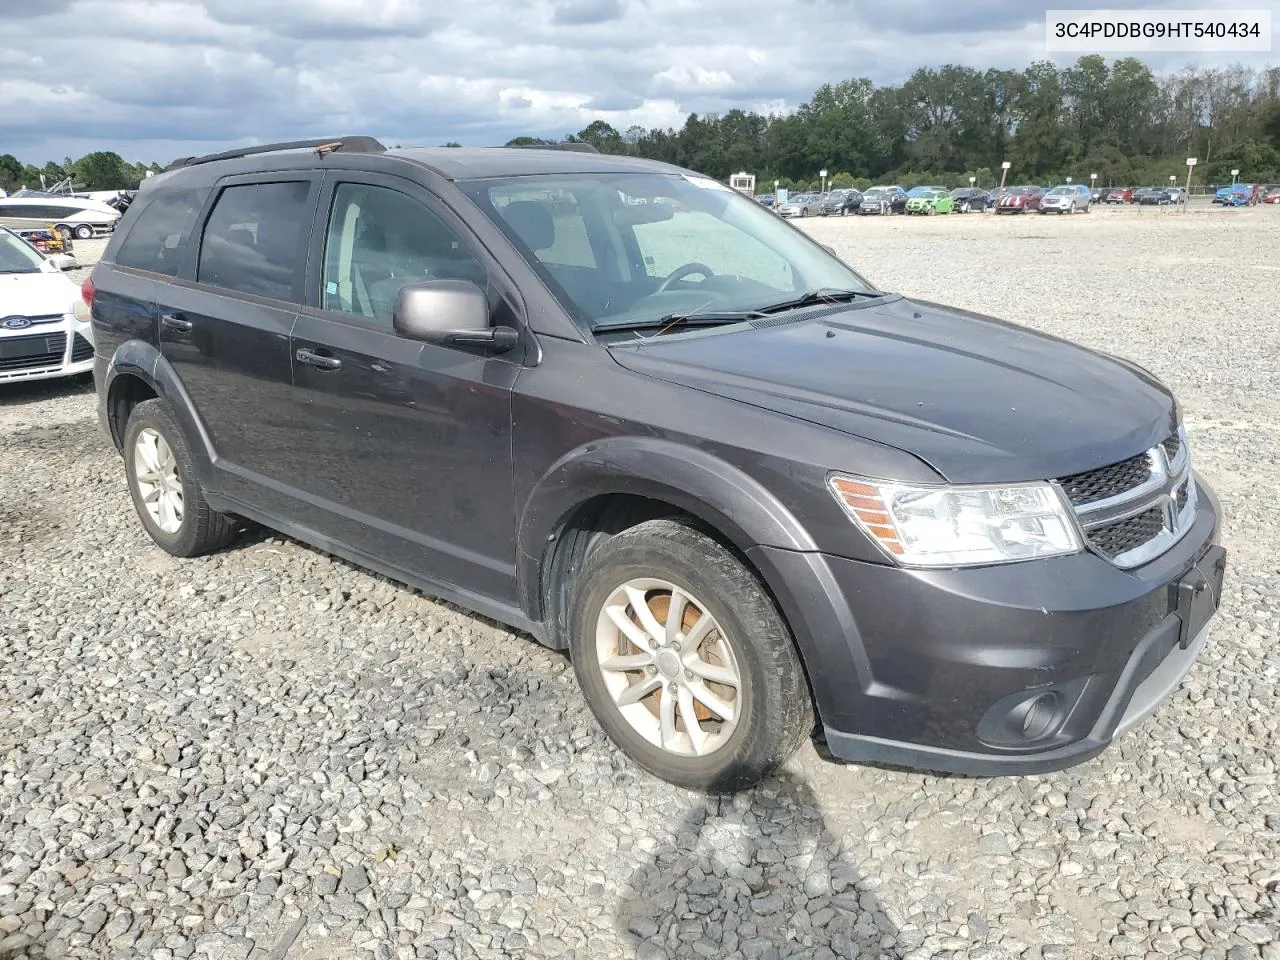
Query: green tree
x=103 y=170
x=10 y=171
x=602 y=136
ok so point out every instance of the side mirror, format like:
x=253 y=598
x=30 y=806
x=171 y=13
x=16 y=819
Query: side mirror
x=63 y=262
x=449 y=313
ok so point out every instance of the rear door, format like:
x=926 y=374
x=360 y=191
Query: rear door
x=224 y=324
x=403 y=448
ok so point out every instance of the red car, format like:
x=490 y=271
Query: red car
x=1272 y=196
x=1020 y=199
x=1120 y=195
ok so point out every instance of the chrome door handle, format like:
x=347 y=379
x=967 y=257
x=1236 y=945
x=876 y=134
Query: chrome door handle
x=319 y=361
x=176 y=323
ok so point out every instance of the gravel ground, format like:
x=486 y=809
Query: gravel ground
x=270 y=753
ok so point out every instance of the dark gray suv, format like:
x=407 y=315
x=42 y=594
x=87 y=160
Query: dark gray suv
x=618 y=406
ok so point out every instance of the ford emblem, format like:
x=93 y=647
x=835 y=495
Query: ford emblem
x=15 y=323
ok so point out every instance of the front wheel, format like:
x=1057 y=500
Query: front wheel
x=165 y=489
x=685 y=661
x=84 y=232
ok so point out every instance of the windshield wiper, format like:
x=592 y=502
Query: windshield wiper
x=815 y=297
x=708 y=319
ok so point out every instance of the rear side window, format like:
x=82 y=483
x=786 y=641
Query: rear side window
x=159 y=235
x=253 y=239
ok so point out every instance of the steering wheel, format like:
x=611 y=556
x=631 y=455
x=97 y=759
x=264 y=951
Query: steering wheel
x=679 y=273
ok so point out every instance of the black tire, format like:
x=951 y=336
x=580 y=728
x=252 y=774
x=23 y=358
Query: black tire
x=775 y=710
x=84 y=232
x=203 y=529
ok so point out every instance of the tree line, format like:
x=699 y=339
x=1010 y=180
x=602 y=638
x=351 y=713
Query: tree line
x=100 y=170
x=942 y=125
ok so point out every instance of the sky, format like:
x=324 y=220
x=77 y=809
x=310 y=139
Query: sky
x=157 y=79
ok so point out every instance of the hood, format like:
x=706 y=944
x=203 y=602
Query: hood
x=979 y=399
x=35 y=295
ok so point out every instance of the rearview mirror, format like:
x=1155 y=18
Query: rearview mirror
x=636 y=214
x=452 y=313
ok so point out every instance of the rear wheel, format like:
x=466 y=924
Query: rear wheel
x=84 y=232
x=684 y=660
x=165 y=489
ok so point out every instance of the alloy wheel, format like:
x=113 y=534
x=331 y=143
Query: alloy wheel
x=159 y=483
x=669 y=667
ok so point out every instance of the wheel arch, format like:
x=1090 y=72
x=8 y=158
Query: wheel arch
x=605 y=488
x=138 y=371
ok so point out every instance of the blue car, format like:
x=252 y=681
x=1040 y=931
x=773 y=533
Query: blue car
x=1236 y=195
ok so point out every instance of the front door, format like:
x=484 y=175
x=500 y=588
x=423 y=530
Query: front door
x=225 y=327
x=404 y=448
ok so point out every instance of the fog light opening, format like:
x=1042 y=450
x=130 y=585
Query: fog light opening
x=1039 y=715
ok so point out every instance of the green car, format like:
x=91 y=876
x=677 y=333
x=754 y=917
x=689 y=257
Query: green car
x=931 y=202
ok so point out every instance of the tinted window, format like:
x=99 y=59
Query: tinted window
x=379 y=240
x=159 y=235
x=252 y=241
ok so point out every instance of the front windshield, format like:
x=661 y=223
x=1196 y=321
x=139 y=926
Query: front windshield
x=1062 y=192
x=16 y=256
x=629 y=248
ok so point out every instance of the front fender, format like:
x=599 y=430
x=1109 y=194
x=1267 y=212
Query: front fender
x=138 y=358
x=693 y=480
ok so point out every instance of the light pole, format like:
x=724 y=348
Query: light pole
x=1068 y=179
x=1093 y=182
x=1191 y=166
x=1004 y=171
x=1234 y=174
x=972 y=181
x=823 y=174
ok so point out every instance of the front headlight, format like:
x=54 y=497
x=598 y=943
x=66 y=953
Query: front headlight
x=955 y=526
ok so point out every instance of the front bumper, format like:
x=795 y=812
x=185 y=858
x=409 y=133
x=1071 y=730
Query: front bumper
x=1020 y=668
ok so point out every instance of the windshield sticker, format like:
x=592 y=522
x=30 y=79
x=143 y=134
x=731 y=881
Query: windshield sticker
x=706 y=183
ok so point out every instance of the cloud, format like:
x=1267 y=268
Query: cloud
x=581 y=12
x=167 y=78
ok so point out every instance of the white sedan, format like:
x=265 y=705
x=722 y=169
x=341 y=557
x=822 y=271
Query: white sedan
x=41 y=336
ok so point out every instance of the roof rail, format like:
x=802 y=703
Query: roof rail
x=571 y=147
x=350 y=144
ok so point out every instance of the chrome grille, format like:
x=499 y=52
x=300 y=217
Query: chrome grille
x=1120 y=537
x=1135 y=510
x=1107 y=482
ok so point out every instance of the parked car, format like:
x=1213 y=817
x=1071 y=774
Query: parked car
x=801 y=205
x=1151 y=196
x=922 y=189
x=883 y=201
x=1272 y=195
x=1176 y=194
x=748 y=496
x=1097 y=195
x=841 y=203
x=930 y=202
x=1067 y=198
x=1235 y=195
x=1120 y=195
x=970 y=198
x=1020 y=200
x=40 y=336
x=765 y=199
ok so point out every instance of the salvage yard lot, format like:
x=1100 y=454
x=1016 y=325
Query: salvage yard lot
x=271 y=753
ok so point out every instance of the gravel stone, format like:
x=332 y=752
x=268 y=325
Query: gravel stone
x=187 y=745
